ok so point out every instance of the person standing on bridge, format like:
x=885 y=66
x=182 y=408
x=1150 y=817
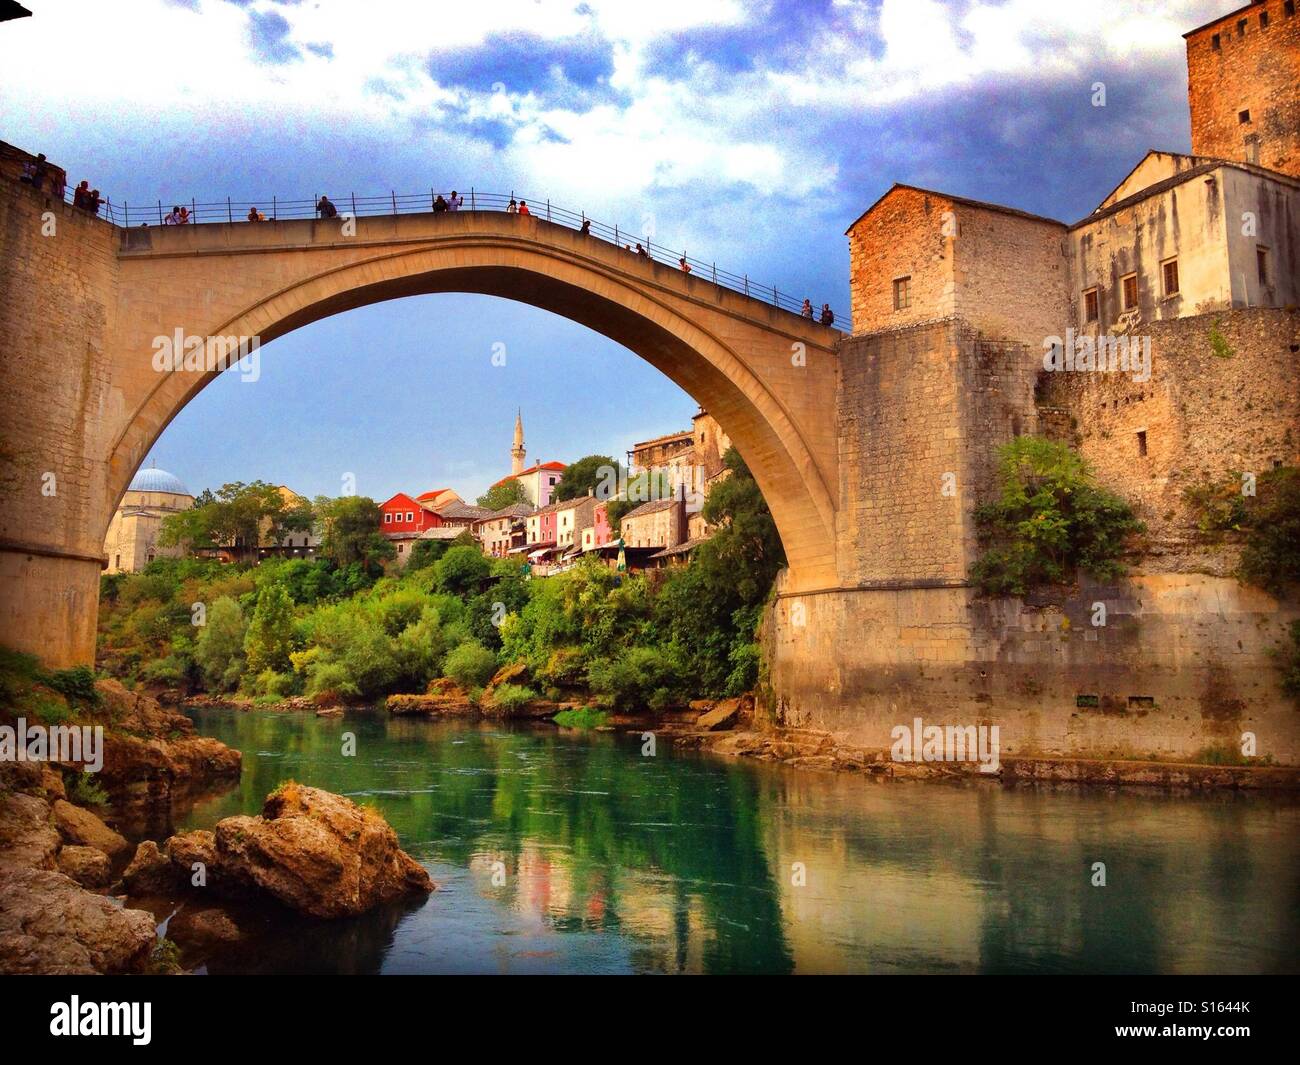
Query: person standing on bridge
x=80 y=195
x=828 y=316
x=173 y=217
x=326 y=209
x=185 y=216
x=686 y=267
x=523 y=207
x=641 y=252
x=512 y=207
x=585 y=229
x=93 y=201
x=254 y=215
x=454 y=201
x=806 y=309
x=439 y=204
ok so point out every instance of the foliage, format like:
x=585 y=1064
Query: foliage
x=1219 y=507
x=76 y=684
x=470 y=665
x=1271 y=555
x=219 y=649
x=269 y=639
x=84 y=791
x=582 y=717
x=461 y=570
x=1289 y=661
x=589 y=474
x=350 y=533
x=1219 y=345
x=511 y=698
x=645 y=486
x=240 y=516
x=1049 y=520
x=503 y=495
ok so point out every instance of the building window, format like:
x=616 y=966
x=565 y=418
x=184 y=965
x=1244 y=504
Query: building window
x=410 y=516
x=1142 y=441
x=902 y=293
x=1289 y=8
x=1261 y=264
x=401 y=548
x=1091 y=306
x=1241 y=27
x=1215 y=43
x=1263 y=20
x=118 y=563
x=388 y=518
x=1169 y=273
x=1130 y=290
x=1243 y=117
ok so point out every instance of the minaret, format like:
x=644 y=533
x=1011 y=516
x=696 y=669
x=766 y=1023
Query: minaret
x=517 y=452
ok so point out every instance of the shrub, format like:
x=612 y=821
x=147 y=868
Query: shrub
x=470 y=665
x=582 y=717
x=85 y=792
x=637 y=677
x=270 y=636
x=219 y=650
x=76 y=684
x=1050 y=520
x=1271 y=556
x=511 y=698
x=461 y=570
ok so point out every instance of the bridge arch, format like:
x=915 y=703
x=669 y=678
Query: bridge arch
x=685 y=327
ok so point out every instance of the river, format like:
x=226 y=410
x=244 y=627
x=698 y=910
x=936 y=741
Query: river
x=561 y=851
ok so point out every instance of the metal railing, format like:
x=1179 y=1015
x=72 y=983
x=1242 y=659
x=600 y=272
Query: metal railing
x=275 y=209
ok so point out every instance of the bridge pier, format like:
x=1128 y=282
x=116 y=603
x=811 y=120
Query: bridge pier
x=49 y=605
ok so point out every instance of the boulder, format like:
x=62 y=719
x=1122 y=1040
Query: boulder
x=722 y=716
x=52 y=784
x=49 y=925
x=314 y=852
x=444 y=696
x=204 y=927
x=78 y=825
x=88 y=867
x=151 y=872
x=330 y=711
x=26 y=836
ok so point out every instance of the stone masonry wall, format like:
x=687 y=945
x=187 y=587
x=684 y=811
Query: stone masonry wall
x=921 y=410
x=1255 y=68
x=1204 y=418
x=59 y=270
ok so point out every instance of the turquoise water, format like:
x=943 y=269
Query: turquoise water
x=573 y=852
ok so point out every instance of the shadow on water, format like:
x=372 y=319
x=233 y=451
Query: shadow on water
x=568 y=852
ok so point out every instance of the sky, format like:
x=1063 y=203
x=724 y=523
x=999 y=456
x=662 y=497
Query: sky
x=748 y=132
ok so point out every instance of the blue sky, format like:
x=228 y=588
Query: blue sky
x=750 y=133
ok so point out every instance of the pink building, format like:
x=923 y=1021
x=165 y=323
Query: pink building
x=597 y=533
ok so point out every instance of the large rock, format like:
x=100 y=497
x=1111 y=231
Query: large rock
x=150 y=750
x=49 y=925
x=722 y=716
x=26 y=836
x=78 y=825
x=151 y=872
x=88 y=867
x=313 y=851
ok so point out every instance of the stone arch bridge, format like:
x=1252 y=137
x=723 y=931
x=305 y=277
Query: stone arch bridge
x=82 y=312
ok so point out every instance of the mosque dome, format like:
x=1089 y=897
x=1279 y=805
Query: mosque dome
x=155 y=480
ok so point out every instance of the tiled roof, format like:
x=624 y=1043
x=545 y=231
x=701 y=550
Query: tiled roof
x=515 y=510
x=955 y=199
x=458 y=509
x=653 y=507
x=557 y=466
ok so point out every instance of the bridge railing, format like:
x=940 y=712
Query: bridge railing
x=275 y=209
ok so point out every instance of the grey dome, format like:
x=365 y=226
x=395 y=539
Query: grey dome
x=155 y=480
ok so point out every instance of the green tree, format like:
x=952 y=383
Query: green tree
x=642 y=488
x=461 y=570
x=269 y=639
x=1049 y=521
x=1271 y=555
x=589 y=474
x=239 y=516
x=219 y=650
x=503 y=495
x=350 y=532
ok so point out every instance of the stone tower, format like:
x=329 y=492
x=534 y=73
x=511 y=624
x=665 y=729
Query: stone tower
x=518 y=452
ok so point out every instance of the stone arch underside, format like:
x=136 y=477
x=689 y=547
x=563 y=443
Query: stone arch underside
x=734 y=368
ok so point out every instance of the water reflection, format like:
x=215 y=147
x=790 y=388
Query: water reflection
x=569 y=852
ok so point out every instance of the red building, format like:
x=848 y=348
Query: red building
x=402 y=514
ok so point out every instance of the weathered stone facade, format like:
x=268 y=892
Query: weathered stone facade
x=1242 y=73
